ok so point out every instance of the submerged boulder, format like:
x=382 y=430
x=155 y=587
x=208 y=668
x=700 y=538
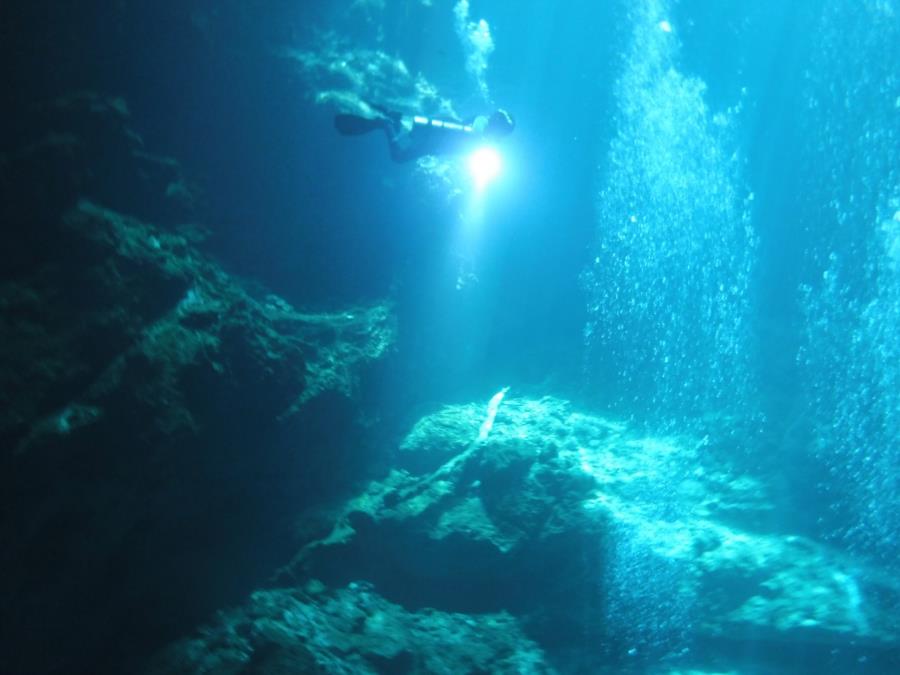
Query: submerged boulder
x=169 y=335
x=581 y=527
x=349 y=630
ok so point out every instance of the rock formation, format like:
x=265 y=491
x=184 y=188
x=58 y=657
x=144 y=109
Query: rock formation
x=531 y=524
x=162 y=421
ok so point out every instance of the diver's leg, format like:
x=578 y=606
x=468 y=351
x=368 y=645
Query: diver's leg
x=402 y=149
x=355 y=125
x=393 y=116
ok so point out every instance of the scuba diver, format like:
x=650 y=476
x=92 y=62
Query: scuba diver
x=413 y=136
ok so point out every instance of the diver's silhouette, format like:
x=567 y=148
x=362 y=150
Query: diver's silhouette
x=413 y=136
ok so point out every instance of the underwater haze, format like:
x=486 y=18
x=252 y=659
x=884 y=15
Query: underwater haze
x=450 y=336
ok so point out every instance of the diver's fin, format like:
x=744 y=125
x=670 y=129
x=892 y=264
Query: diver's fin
x=354 y=125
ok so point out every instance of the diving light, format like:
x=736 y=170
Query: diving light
x=485 y=165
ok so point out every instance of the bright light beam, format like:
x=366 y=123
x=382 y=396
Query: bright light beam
x=485 y=165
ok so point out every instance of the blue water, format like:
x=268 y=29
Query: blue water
x=699 y=230
x=696 y=228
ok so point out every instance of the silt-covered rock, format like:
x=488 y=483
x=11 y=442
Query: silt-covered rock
x=571 y=521
x=349 y=630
